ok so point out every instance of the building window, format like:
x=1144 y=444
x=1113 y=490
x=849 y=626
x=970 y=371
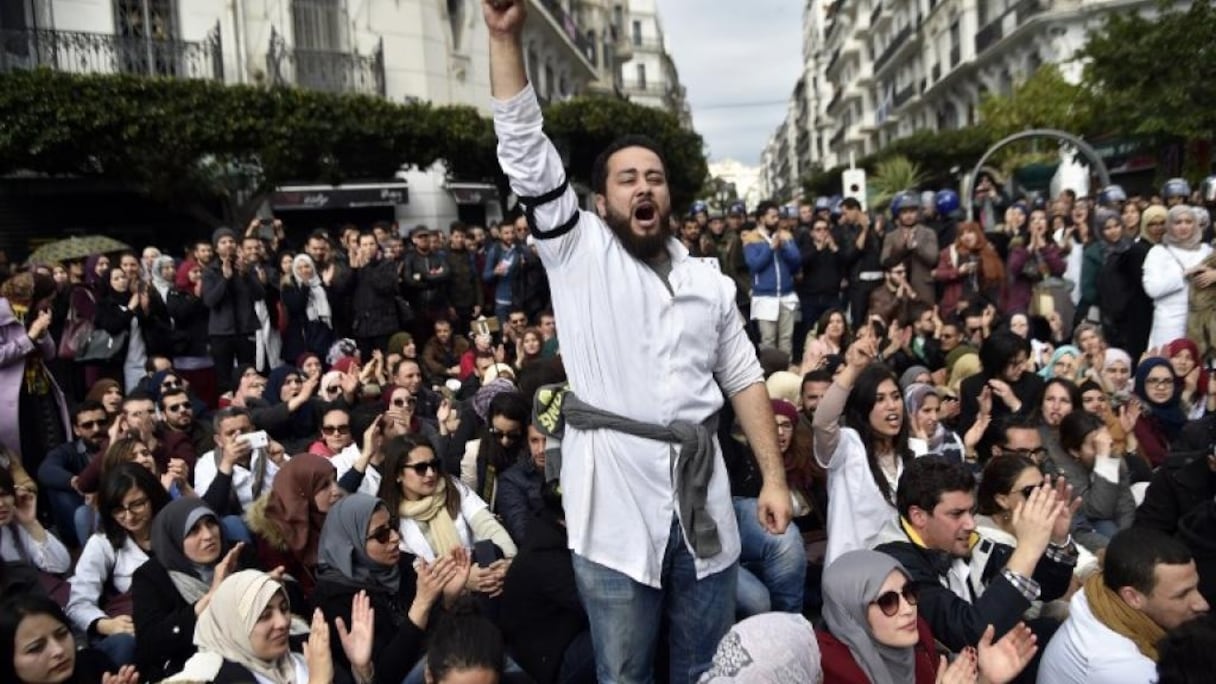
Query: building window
x=637 y=33
x=591 y=47
x=618 y=19
x=642 y=77
x=142 y=25
x=317 y=25
x=456 y=17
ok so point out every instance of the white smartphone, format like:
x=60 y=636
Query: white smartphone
x=257 y=440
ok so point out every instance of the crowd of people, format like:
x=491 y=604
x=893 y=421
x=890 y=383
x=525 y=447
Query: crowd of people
x=966 y=447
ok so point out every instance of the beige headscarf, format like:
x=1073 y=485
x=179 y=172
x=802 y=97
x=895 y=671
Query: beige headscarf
x=222 y=631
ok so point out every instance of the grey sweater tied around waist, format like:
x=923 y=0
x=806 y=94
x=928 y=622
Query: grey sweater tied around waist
x=694 y=463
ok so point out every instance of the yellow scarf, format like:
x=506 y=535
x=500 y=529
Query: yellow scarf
x=37 y=382
x=1121 y=618
x=432 y=516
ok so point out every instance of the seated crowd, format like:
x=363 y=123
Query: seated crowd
x=266 y=482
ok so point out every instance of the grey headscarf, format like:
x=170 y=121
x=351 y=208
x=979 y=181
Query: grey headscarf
x=770 y=648
x=169 y=531
x=850 y=584
x=162 y=284
x=342 y=556
x=1172 y=218
x=910 y=376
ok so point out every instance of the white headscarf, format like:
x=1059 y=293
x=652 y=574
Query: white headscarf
x=223 y=631
x=318 y=300
x=770 y=648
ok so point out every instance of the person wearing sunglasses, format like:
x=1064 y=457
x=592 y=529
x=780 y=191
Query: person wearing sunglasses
x=438 y=513
x=182 y=432
x=335 y=433
x=875 y=635
x=59 y=472
x=1008 y=481
x=967 y=583
x=360 y=555
x=502 y=444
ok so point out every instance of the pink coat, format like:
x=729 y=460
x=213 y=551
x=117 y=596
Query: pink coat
x=15 y=345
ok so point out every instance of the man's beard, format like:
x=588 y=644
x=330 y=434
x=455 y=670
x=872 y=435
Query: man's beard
x=640 y=247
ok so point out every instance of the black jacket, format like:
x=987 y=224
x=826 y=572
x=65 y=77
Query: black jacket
x=1028 y=388
x=464 y=288
x=519 y=497
x=822 y=269
x=190 y=323
x=397 y=644
x=427 y=276
x=231 y=300
x=157 y=325
x=958 y=623
x=1182 y=484
x=373 y=300
x=541 y=612
x=164 y=621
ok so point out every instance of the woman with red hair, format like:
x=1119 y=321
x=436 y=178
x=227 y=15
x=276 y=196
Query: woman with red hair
x=968 y=269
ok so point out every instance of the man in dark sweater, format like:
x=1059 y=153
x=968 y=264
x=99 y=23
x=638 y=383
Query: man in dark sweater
x=824 y=266
x=967 y=582
x=465 y=293
x=231 y=287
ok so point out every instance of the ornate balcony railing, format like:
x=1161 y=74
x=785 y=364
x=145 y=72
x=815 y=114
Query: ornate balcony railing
x=103 y=53
x=904 y=35
x=566 y=21
x=325 y=70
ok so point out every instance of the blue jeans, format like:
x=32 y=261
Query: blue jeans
x=86 y=523
x=63 y=511
x=119 y=648
x=772 y=567
x=625 y=616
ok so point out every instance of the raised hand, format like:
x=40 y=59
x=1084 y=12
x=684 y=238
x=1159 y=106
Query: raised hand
x=985 y=401
x=961 y=671
x=27 y=506
x=41 y=324
x=316 y=651
x=1129 y=414
x=1063 y=523
x=1004 y=660
x=462 y=564
x=432 y=577
x=373 y=436
x=127 y=674
x=357 y=642
x=1034 y=518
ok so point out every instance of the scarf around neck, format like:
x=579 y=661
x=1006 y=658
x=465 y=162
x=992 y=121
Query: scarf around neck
x=1121 y=618
x=440 y=530
x=317 y=308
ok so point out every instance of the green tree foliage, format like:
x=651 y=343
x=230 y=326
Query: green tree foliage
x=191 y=141
x=1152 y=77
x=939 y=154
x=893 y=175
x=1045 y=100
x=583 y=126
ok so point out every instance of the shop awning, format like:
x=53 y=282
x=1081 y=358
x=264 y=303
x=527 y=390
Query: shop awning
x=296 y=197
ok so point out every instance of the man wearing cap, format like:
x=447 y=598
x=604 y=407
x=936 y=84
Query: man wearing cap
x=653 y=346
x=231 y=287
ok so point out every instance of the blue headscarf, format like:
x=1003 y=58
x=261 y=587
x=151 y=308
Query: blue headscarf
x=1168 y=414
x=1049 y=371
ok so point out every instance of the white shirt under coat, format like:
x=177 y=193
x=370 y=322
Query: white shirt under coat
x=101 y=566
x=632 y=347
x=344 y=460
x=1085 y=651
x=207 y=467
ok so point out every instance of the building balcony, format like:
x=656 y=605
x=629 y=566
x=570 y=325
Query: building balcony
x=328 y=71
x=102 y=53
x=903 y=95
x=647 y=45
x=561 y=26
x=1007 y=23
x=900 y=39
x=624 y=46
x=647 y=89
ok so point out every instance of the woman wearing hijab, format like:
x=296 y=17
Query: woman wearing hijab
x=1064 y=363
x=772 y=648
x=286 y=521
x=157 y=323
x=928 y=434
x=360 y=555
x=874 y=635
x=190 y=317
x=1197 y=398
x=190 y=558
x=286 y=409
x=1161 y=416
x=309 y=326
x=242 y=637
x=1171 y=269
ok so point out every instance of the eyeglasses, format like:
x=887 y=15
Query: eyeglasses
x=91 y=424
x=422 y=466
x=1037 y=454
x=1159 y=382
x=1029 y=489
x=888 y=602
x=134 y=508
x=785 y=427
x=171 y=384
x=174 y=408
x=409 y=401
x=382 y=535
x=505 y=435
x=340 y=429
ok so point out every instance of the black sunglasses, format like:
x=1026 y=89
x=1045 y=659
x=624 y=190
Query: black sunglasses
x=331 y=429
x=1029 y=489
x=1036 y=454
x=405 y=402
x=174 y=408
x=888 y=602
x=422 y=466
x=91 y=424
x=512 y=435
x=170 y=384
x=382 y=535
